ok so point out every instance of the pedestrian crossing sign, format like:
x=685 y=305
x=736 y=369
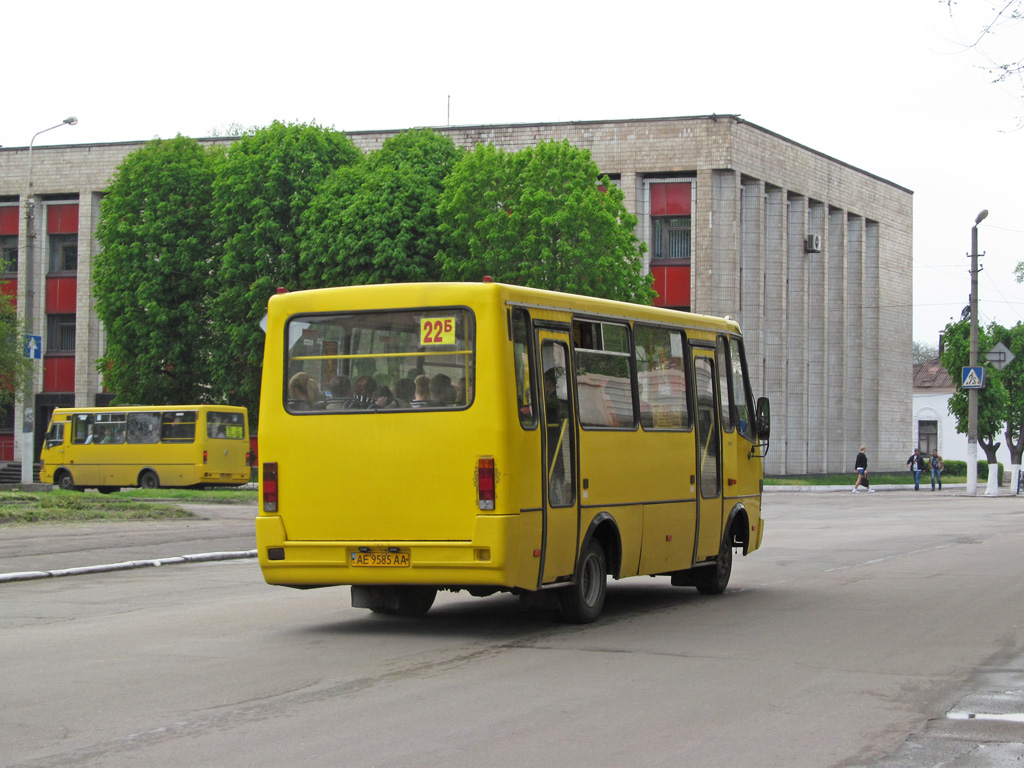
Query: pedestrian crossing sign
x=973 y=377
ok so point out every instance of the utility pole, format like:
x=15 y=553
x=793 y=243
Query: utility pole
x=972 y=394
x=28 y=407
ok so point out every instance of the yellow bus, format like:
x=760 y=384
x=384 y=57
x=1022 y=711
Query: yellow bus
x=146 y=446
x=493 y=438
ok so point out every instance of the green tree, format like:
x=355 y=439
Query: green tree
x=150 y=278
x=376 y=222
x=992 y=399
x=1012 y=377
x=261 y=191
x=15 y=368
x=541 y=217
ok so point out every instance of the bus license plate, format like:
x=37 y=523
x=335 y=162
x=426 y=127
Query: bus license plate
x=382 y=559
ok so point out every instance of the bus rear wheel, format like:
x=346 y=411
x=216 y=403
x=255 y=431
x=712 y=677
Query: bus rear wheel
x=394 y=601
x=582 y=602
x=149 y=480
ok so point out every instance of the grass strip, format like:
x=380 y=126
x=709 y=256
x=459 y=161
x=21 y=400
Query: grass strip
x=71 y=507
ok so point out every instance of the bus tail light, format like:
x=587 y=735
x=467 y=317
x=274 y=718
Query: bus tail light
x=485 y=477
x=270 y=486
x=205 y=457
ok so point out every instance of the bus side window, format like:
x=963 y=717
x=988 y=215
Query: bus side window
x=82 y=429
x=522 y=360
x=55 y=436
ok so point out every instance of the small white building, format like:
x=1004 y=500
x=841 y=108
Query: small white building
x=934 y=427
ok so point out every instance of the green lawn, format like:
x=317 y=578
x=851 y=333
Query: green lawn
x=73 y=506
x=901 y=478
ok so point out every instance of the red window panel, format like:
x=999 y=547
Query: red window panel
x=670 y=199
x=62 y=219
x=59 y=374
x=7 y=447
x=8 y=220
x=9 y=288
x=672 y=285
x=61 y=295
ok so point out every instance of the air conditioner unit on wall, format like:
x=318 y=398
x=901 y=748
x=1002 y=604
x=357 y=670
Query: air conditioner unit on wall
x=813 y=244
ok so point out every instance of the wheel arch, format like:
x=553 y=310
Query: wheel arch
x=604 y=528
x=143 y=472
x=737 y=528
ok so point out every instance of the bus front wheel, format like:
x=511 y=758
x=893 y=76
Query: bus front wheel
x=66 y=482
x=713 y=579
x=582 y=601
x=149 y=480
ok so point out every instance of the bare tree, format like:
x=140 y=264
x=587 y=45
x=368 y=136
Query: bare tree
x=1002 y=15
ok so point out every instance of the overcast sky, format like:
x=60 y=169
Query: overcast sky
x=885 y=85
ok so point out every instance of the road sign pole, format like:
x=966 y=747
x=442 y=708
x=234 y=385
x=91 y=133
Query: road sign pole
x=972 y=394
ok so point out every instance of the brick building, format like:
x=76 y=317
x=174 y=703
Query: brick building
x=812 y=256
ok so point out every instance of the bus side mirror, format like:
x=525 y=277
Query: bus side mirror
x=763 y=418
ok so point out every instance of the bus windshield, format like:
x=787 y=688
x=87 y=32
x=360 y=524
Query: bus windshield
x=370 y=361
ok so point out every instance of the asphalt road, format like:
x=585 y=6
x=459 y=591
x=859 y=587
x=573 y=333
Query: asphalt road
x=865 y=632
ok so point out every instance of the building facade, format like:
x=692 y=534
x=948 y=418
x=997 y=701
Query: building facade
x=812 y=256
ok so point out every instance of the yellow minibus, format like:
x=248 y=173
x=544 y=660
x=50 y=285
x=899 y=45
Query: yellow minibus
x=493 y=438
x=146 y=446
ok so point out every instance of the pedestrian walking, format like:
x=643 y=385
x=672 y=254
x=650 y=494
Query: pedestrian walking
x=861 y=465
x=935 y=462
x=916 y=464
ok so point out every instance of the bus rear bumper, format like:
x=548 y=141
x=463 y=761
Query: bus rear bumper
x=483 y=561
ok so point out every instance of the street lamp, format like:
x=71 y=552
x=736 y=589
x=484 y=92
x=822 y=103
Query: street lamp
x=972 y=394
x=28 y=420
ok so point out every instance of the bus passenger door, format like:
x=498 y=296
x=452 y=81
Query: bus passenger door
x=561 y=519
x=709 y=457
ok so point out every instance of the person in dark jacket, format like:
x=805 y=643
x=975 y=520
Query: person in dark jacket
x=916 y=464
x=861 y=465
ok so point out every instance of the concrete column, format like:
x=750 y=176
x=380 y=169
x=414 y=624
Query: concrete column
x=877 y=408
x=751 y=316
x=776 y=303
x=796 y=337
x=856 y=340
x=840 y=443
x=87 y=326
x=725 y=244
x=818 y=321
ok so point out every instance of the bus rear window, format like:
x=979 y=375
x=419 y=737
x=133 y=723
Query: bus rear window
x=374 y=361
x=224 y=425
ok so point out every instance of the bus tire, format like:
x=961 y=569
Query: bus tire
x=713 y=579
x=415 y=601
x=65 y=481
x=582 y=601
x=149 y=480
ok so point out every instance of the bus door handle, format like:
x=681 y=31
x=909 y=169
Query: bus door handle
x=693 y=479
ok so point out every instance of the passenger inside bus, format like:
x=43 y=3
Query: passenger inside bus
x=441 y=391
x=363 y=391
x=405 y=392
x=421 y=398
x=302 y=392
x=340 y=396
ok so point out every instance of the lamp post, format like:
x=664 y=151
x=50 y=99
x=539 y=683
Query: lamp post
x=972 y=394
x=28 y=419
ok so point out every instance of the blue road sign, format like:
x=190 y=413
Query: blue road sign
x=973 y=377
x=33 y=347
